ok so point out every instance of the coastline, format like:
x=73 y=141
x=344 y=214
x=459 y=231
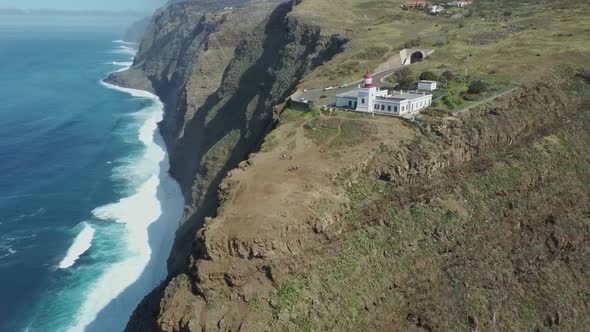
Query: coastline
x=150 y=216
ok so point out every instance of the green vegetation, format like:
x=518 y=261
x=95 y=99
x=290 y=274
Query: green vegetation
x=479 y=246
x=373 y=53
x=320 y=130
x=428 y=76
x=447 y=76
x=404 y=78
x=517 y=47
x=477 y=86
x=340 y=132
x=450 y=94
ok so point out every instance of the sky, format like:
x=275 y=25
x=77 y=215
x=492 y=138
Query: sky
x=116 y=5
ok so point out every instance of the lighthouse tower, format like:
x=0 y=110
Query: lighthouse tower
x=367 y=93
x=368 y=80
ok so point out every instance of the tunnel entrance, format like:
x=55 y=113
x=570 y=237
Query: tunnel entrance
x=416 y=56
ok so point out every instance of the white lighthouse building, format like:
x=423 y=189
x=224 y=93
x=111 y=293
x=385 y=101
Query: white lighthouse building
x=370 y=99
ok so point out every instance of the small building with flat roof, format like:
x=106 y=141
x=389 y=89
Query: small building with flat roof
x=427 y=85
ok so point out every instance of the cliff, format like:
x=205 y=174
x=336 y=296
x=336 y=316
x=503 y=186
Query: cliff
x=369 y=224
x=220 y=73
x=344 y=222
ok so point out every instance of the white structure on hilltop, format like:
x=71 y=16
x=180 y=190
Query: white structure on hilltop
x=370 y=99
x=427 y=85
x=461 y=4
x=436 y=9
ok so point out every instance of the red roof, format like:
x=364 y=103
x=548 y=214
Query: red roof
x=415 y=3
x=368 y=75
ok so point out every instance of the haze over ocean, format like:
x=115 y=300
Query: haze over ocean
x=116 y=5
x=87 y=209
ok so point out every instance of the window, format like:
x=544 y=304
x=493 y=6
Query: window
x=376 y=106
x=389 y=108
x=363 y=101
x=395 y=109
x=383 y=107
x=349 y=103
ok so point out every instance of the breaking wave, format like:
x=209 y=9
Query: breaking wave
x=81 y=244
x=150 y=216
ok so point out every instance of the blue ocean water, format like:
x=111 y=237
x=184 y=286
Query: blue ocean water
x=87 y=210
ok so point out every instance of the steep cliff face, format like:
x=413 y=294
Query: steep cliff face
x=220 y=72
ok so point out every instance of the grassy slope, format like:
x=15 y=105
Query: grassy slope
x=554 y=30
x=499 y=243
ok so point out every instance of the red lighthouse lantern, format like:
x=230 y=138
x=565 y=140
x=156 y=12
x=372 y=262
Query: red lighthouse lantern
x=368 y=80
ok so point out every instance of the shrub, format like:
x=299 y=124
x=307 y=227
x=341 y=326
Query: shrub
x=507 y=13
x=452 y=100
x=404 y=78
x=428 y=76
x=447 y=76
x=584 y=74
x=477 y=87
x=460 y=78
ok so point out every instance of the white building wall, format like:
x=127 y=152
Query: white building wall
x=344 y=102
x=366 y=99
x=429 y=86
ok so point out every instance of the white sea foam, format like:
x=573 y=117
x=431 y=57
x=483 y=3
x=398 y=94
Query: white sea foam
x=125 y=50
x=81 y=244
x=122 y=64
x=150 y=216
x=8 y=249
x=123 y=42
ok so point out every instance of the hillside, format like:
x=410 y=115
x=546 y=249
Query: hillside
x=470 y=217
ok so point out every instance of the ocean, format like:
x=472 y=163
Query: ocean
x=87 y=208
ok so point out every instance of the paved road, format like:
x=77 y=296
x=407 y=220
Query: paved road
x=326 y=97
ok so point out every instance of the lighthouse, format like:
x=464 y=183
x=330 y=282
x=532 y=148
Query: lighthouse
x=371 y=99
x=366 y=93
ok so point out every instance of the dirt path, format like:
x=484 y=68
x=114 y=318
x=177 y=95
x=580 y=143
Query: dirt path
x=487 y=100
x=331 y=139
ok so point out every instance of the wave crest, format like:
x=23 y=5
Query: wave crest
x=81 y=244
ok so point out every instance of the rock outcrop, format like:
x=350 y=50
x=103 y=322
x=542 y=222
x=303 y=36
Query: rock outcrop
x=220 y=73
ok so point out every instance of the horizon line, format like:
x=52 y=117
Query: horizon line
x=29 y=11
